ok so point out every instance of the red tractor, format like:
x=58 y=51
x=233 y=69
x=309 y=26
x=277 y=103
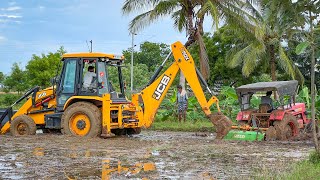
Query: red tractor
x=281 y=118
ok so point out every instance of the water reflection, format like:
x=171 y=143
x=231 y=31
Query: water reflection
x=108 y=169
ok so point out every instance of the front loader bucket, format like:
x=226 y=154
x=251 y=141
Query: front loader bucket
x=244 y=135
x=5 y=116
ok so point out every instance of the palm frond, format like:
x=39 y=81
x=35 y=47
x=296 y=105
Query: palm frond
x=286 y=63
x=130 y=6
x=210 y=8
x=179 y=20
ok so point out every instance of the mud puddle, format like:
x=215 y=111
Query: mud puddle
x=150 y=155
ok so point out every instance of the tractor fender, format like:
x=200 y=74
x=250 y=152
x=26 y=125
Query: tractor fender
x=277 y=115
x=92 y=99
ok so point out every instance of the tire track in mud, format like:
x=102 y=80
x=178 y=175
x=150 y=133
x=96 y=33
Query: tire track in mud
x=152 y=154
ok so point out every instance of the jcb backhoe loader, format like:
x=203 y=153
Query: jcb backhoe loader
x=76 y=109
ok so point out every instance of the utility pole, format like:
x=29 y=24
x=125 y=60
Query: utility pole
x=91 y=45
x=132 y=49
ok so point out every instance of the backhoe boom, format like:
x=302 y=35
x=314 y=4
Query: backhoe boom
x=154 y=94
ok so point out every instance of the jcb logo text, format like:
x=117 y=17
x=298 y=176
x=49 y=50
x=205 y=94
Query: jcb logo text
x=184 y=54
x=161 y=87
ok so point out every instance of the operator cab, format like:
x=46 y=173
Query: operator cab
x=86 y=74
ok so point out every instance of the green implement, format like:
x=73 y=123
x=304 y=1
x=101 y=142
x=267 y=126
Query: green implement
x=244 y=135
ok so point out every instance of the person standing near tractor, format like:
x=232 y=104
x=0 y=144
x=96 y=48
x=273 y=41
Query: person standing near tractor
x=182 y=102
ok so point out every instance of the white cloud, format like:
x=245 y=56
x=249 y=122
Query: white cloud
x=12 y=8
x=2 y=38
x=10 y=16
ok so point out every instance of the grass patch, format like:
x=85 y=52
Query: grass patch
x=303 y=170
x=195 y=126
x=306 y=169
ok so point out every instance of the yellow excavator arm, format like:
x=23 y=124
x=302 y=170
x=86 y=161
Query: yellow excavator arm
x=154 y=93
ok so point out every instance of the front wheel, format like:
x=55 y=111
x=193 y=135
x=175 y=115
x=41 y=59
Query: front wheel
x=23 y=125
x=82 y=119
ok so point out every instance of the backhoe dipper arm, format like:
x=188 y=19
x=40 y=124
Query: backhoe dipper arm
x=154 y=94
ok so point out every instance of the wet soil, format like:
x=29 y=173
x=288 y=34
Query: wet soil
x=151 y=155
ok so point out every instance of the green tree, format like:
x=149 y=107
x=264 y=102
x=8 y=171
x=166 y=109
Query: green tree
x=261 y=42
x=40 y=69
x=140 y=73
x=218 y=45
x=2 y=77
x=17 y=80
x=188 y=15
x=310 y=11
x=150 y=54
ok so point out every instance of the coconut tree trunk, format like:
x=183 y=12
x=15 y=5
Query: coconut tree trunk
x=313 y=94
x=272 y=63
x=191 y=31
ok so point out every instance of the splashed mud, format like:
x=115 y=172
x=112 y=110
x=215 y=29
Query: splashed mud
x=151 y=155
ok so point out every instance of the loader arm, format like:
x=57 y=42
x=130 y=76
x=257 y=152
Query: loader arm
x=154 y=94
x=31 y=107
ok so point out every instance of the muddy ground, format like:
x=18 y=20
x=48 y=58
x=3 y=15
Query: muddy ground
x=149 y=155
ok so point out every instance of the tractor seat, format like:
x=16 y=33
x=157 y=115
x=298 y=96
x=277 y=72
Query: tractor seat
x=264 y=108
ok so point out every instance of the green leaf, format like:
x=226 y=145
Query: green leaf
x=302 y=47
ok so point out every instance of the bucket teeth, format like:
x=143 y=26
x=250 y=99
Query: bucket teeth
x=222 y=124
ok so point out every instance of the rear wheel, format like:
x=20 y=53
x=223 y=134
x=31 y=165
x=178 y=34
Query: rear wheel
x=271 y=134
x=287 y=128
x=82 y=119
x=23 y=125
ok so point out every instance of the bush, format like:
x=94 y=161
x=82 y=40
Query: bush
x=8 y=99
x=314 y=157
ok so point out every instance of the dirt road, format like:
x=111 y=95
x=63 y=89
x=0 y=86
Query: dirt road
x=151 y=155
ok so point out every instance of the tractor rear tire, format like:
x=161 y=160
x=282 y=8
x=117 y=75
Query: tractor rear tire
x=287 y=128
x=271 y=134
x=23 y=125
x=82 y=119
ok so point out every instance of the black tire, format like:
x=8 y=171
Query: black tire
x=23 y=125
x=287 y=128
x=86 y=109
x=271 y=134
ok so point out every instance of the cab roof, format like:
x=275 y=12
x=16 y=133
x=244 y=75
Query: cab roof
x=93 y=55
x=282 y=87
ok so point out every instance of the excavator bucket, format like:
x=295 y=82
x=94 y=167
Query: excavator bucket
x=222 y=124
x=244 y=135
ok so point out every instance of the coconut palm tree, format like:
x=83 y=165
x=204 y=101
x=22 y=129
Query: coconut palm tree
x=188 y=15
x=263 y=40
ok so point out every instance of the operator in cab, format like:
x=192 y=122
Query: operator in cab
x=89 y=78
x=267 y=100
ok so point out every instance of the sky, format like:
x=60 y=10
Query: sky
x=42 y=26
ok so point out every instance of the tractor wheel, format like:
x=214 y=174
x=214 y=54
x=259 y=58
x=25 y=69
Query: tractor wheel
x=287 y=128
x=82 y=119
x=271 y=134
x=23 y=125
